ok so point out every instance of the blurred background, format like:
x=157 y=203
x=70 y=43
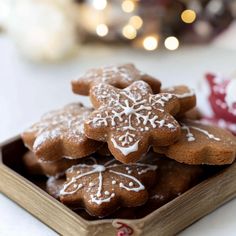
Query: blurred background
x=53 y=30
x=44 y=44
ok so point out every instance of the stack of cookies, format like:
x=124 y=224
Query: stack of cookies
x=138 y=147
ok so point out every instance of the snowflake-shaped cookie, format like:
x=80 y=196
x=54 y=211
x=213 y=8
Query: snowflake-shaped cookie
x=101 y=188
x=202 y=144
x=131 y=120
x=60 y=134
x=120 y=76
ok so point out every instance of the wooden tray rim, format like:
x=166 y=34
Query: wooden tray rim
x=85 y=224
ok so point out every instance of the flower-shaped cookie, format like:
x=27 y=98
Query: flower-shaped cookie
x=202 y=144
x=131 y=120
x=101 y=188
x=120 y=76
x=186 y=96
x=60 y=134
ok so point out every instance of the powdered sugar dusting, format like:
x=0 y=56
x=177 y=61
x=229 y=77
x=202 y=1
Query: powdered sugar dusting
x=66 y=123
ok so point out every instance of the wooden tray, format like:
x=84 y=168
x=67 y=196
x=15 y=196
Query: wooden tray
x=167 y=220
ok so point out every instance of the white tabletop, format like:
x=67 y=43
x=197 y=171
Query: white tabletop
x=27 y=90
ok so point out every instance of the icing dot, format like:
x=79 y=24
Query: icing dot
x=113 y=182
x=75 y=185
x=91 y=184
x=112 y=195
x=107 y=193
x=131 y=184
x=80 y=185
x=130 y=171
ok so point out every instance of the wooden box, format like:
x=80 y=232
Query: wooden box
x=167 y=220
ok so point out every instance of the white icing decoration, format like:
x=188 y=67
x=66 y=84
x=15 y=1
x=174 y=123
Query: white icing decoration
x=135 y=189
x=113 y=74
x=190 y=93
x=133 y=110
x=190 y=137
x=100 y=197
x=131 y=184
x=126 y=150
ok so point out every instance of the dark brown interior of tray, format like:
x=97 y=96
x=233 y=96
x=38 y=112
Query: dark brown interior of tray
x=12 y=157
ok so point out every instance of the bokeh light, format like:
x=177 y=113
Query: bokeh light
x=136 y=22
x=102 y=30
x=171 y=43
x=99 y=4
x=129 y=32
x=128 y=6
x=188 y=16
x=150 y=43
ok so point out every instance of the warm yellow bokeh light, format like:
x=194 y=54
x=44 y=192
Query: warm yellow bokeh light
x=102 y=30
x=128 y=6
x=150 y=43
x=188 y=16
x=99 y=4
x=171 y=43
x=136 y=22
x=129 y=32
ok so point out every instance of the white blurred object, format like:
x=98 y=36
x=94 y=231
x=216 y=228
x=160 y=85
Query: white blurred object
x=227 y=39
x=42 y=30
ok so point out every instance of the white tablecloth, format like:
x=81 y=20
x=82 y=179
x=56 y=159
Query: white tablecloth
x=27 y=90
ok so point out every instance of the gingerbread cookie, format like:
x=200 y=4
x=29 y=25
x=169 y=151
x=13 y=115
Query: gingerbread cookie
x=202 y=144
x=56 y=168
x=173 y=179
x=120 y=76
x=106 y=185
x=186 y=96
x=54 y=186
x=60 y=134
x=130 y=120
x=193 y=114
